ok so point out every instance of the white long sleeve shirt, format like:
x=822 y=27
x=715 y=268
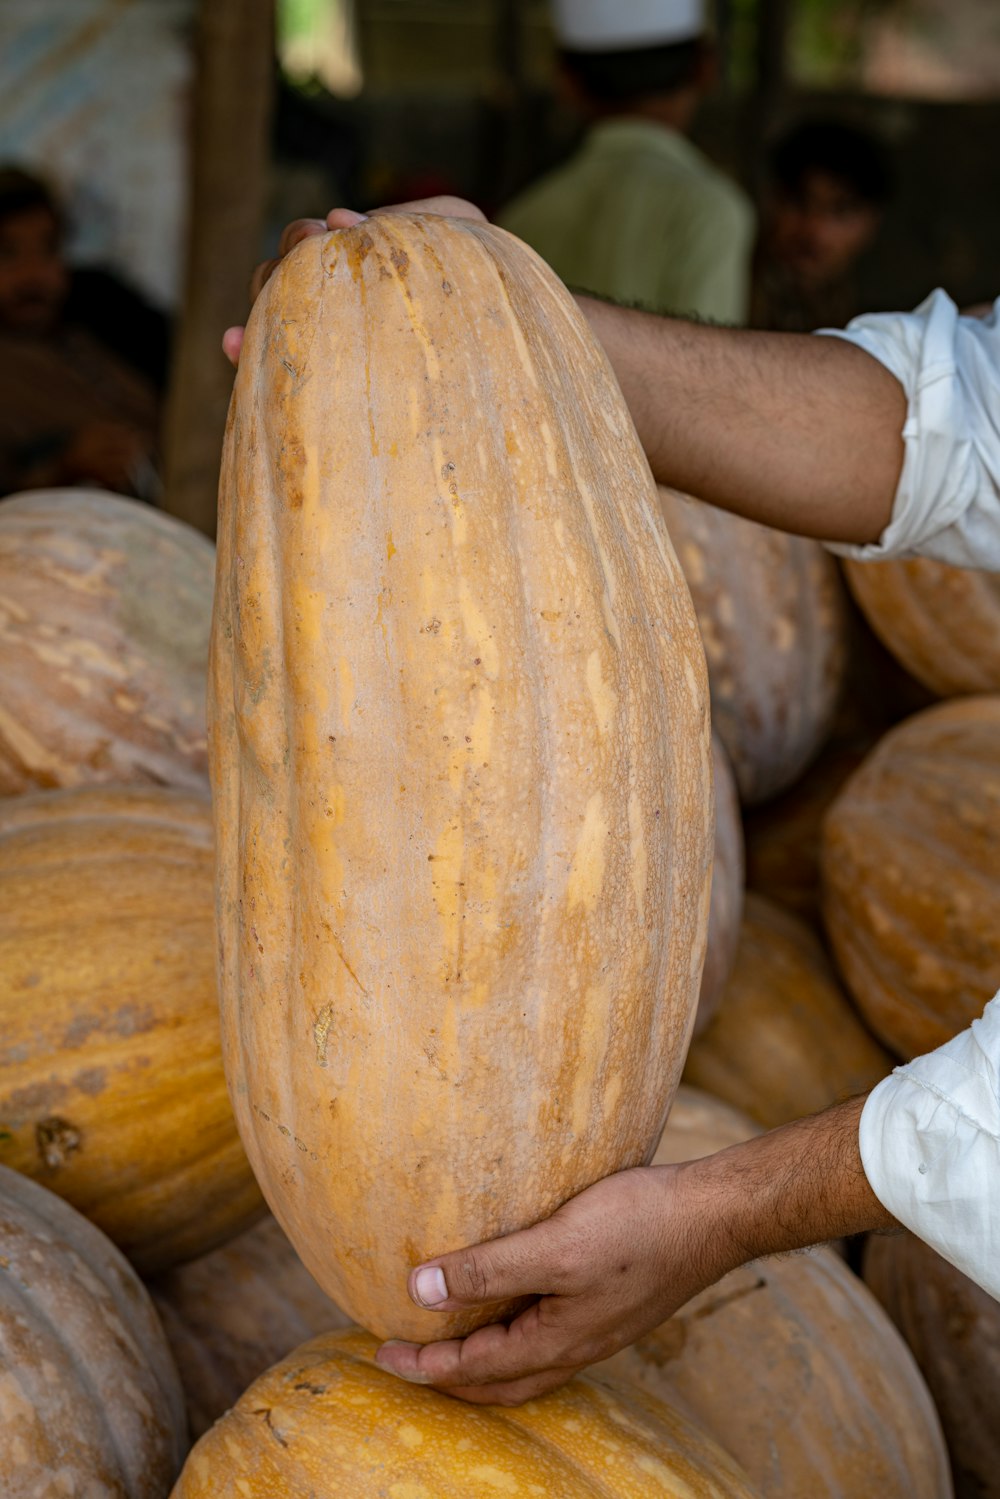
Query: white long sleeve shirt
x=947 y=503
x=930 y=1133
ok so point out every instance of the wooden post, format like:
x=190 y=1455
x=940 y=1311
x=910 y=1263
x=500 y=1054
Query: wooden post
x=511 y=99
x=765 y=103
x=229 y=157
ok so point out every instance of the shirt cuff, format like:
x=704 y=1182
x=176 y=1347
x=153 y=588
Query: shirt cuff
x=930 y=1147
x=942 y=473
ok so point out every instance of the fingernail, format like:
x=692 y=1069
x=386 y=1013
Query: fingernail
x=429 y=1286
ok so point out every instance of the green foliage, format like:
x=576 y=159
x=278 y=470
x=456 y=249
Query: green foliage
x=827 y=39
x=297 y=19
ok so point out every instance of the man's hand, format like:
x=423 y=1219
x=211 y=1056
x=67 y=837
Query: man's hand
x=610 y=1265
x=628 y=1252
x=337 y=218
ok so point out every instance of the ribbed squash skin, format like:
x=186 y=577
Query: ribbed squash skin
x=327 y=1423
x=786 y=1040
x=942 y=623
x=911 y=876
x=460 y=756
x=953 y=1329
x=726 y=909
x=773 y=617
x=231 y=1314
x=90 y=1402
x=111 y=1084
x=790 y=1364
x=105 y=606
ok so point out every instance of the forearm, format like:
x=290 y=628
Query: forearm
x=798 y=432
x=798 y=1185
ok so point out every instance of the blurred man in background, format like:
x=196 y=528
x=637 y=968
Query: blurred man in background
x=830 y=183
x=82 y=359
x=639 y=214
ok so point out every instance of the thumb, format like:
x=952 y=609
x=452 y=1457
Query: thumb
x=232 y=343
x=344 y=218
x=530 y=1262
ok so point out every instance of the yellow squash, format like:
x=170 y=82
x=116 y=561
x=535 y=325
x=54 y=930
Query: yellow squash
x=911 y=876
x=327 y=1423
x=786 y=1040
x=111 y=1084
x=460 y=755
x=942 y=623
x=232 y=1313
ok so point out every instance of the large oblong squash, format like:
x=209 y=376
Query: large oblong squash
x=460 y=754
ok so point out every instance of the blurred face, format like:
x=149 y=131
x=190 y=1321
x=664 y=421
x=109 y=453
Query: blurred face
x=33 y=275
x=818 y=232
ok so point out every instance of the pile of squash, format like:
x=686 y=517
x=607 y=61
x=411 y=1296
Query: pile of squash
x=459 y=899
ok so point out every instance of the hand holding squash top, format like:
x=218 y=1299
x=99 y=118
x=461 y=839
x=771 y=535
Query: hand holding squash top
x=337 y=218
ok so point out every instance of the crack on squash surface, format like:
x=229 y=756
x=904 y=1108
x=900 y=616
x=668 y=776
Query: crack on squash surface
x=57 y=1140
x=265 y=1411
x=718 y=1302
x=321 y=1032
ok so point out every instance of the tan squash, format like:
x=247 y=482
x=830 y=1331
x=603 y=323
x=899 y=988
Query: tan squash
x=726 y=909
x=786 y=1041
x=941 y=623
x=460 y=755
x=90 y=1402
x=911 y=875
x=111 y=1084
x=773 y=618
x=105 y=607
x=699 y=1125
x=953 y=1329
x=783 y=837
x=233 y=1313
x=327 y=1423
x=790 y=1363
x=878 y=690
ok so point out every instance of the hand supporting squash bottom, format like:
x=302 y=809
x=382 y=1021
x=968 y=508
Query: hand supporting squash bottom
x=627 y=1253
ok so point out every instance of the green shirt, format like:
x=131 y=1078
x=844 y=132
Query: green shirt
x=640 y=215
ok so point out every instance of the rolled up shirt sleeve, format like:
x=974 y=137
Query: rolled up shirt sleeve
x=947 y=503
x=930 y=1146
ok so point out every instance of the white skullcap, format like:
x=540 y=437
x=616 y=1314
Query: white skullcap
x=624 y=25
